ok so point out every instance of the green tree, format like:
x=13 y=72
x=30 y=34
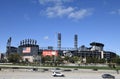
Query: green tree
x=67 y=58
x=102 y=60
x=14 y=58
x=59 y=60
x=92 y=60
x=46 y=60
x=116 y=60
x=73 y=59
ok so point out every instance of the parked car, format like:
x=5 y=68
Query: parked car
x=108 y=76
x=57 y=74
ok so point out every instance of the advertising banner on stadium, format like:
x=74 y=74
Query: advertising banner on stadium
x=50 y=53
x=26 y=49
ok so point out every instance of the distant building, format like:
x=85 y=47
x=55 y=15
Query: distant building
x=96 y=51
x=11 y=50
x=97 y=46
x=109 y=55
x=2 y=56
x=28 y=49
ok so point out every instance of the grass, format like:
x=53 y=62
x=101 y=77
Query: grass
x=77 y=67
x=89 y=67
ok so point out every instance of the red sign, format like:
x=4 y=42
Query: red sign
x=50 y=53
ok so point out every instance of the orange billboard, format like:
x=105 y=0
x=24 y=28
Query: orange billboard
x=50 y=53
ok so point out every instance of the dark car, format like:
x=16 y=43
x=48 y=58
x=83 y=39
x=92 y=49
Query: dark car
x=108 y=76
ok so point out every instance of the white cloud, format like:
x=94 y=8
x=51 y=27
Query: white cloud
x=115 y=12
x=26 y=17
x=54 y=1
x=118 y=11
x=58 y=11
x=34 y=1
x=68 y=12
x=112 y=12
x=80 y=14
x=46 y=38
x=105 y=2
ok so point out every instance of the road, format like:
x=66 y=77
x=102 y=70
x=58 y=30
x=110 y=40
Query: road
x=75 y=74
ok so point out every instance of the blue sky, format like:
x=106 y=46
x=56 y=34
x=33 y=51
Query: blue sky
x=91 y=20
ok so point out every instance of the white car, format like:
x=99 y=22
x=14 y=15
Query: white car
x=57 y=74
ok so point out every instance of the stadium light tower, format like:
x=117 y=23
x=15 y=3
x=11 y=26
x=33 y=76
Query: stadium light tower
x=76 y=41
x=8 y=50
x=59 y=41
